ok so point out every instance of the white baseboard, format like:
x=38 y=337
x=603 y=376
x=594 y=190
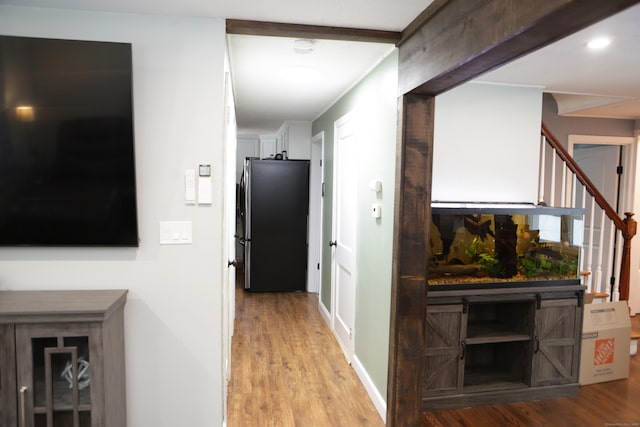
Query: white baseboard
x=372 y=390
x=375 y=396
x=325 y=313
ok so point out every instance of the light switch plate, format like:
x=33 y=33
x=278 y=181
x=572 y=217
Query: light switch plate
x=190 y=186
x=176 y=233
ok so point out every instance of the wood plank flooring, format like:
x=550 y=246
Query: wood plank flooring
x=614 y=403
x=287 y=368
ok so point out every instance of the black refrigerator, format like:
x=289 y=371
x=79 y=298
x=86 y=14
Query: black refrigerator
x=274 y=212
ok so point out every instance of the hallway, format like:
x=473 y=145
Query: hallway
x=287 y=368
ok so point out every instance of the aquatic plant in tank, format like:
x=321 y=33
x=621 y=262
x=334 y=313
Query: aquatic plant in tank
x=514 y=243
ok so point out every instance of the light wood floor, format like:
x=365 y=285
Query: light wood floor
x=288 y=370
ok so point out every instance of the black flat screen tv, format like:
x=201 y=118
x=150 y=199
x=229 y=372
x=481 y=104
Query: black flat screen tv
x=67 y=169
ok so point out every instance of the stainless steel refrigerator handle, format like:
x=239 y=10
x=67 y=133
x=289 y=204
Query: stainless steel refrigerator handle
x=23 y=406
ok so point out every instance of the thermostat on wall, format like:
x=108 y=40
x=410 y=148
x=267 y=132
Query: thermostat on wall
x=204 y=170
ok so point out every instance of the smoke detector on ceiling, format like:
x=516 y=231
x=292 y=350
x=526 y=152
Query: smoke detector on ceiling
x=303 y=46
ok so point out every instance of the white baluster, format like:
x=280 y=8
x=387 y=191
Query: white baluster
x=590 y=247
x=552 y=194
x=543 y=172
x=563 y=192
x=599 y=282
x=608 y=268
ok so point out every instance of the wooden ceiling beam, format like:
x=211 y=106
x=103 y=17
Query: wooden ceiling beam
x=275 y=29
x=454 y=41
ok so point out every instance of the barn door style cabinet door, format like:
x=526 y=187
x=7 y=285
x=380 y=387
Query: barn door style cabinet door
x=444 y=360
x=557 y=342
x=62 y=359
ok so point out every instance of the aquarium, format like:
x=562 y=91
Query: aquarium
x=504 y=244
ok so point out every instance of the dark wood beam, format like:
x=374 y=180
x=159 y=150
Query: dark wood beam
x=451 y=42
x=275 y=29
x=454 y=41
x=411 y=243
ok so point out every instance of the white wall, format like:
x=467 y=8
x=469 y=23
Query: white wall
x=486 y=144
x=173 y=314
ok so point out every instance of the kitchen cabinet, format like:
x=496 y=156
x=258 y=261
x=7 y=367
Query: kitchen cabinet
x=62 y=358
x=293 y=139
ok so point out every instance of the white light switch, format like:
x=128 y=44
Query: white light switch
x=190 y=186
x=175 y=233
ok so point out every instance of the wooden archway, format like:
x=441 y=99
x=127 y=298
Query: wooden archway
x=451 y=42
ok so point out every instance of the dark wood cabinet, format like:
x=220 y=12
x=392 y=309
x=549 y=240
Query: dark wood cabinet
x=501 y=345
x=62 y=359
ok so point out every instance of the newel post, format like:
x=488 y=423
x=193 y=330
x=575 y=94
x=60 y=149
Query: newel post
x=625 y=265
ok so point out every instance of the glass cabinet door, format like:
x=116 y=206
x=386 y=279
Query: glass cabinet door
x=55 y=367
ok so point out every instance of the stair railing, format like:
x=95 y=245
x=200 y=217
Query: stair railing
x=571 y=177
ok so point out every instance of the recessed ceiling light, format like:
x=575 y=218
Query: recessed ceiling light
x=303 y=46
x=598 y=43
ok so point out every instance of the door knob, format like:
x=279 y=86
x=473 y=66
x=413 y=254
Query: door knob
x=333 y=242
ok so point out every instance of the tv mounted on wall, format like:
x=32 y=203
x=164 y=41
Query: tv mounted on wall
x=67 y=170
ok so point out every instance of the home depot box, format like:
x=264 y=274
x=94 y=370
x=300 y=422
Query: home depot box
x=606 y=331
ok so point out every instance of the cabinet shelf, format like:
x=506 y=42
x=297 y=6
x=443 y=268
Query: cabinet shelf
x=62 y=397
x=494 y=384
x=493 y=332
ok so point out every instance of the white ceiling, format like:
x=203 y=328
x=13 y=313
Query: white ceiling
x=266 y=94
x=389 y=15
x=587 y=83
x=273 y=83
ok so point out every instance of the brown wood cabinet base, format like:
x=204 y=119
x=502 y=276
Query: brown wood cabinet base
x=499 y=396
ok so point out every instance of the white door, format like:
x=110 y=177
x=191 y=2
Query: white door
x=344 y=234
x=599 y=162
x=314 y=267
x=229 y=251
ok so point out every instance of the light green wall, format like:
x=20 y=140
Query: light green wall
x=374 y=101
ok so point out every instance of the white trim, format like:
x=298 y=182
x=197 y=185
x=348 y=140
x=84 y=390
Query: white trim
x=627 y=184
x=316 y=203
x=629 y=162
x=326 y=315
x=373 y=392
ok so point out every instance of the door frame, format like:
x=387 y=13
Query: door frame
x=629 y=162
x=349 y=347
x=316 y=214
x=629 y=153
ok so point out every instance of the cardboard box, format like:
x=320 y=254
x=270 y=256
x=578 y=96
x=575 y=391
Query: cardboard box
x=606 y=331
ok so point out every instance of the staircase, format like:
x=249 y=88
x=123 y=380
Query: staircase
x=564 y=184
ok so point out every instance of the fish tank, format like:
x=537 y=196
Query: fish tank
x=504 y=245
